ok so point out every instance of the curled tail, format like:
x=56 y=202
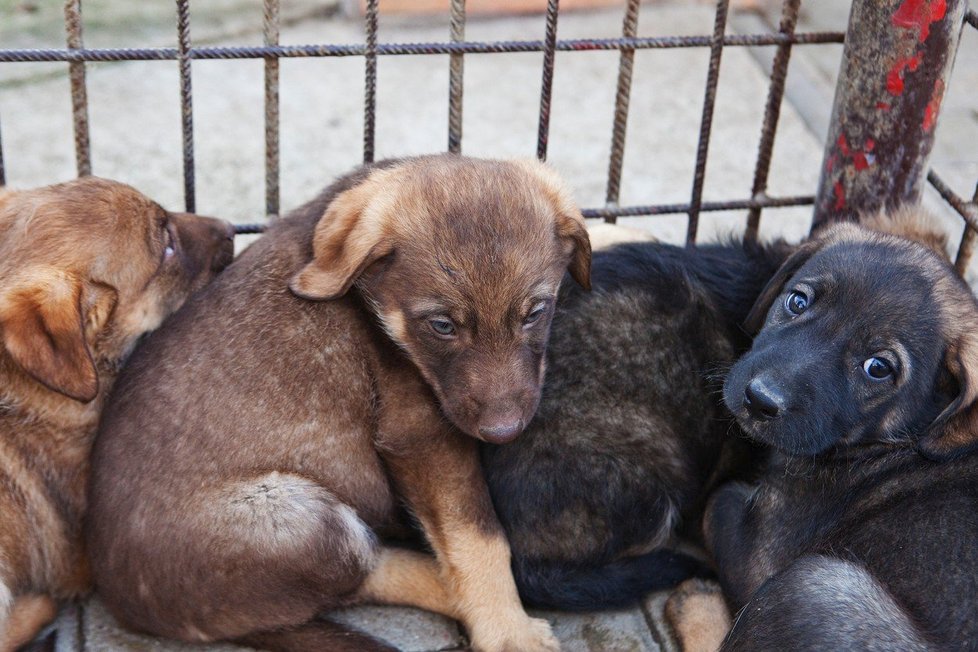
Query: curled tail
x=582 y=587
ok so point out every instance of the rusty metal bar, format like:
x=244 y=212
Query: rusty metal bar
x=968 y=212
x=709 y=206
x=270 y=29
x=772 y=112
x=28 y=55
x=546 y=91
x=3 y=171
x=79 y=94
x=456 y=70
x=370 y=83
x=186 y=104
x=626 y=61
x=972 y=18
x=706 y=123
x=896 y=63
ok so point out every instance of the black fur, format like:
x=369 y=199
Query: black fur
x=630 y=432
x=853 y=539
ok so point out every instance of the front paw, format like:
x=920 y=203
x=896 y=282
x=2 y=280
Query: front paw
x=723 y=516
x=524 y=635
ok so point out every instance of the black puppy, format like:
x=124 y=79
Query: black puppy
x=863 y=533
x=630 y=429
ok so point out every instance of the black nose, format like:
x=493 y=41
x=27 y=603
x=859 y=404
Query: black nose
x=762 y=401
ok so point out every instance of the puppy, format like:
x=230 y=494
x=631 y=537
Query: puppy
x=863 y=379
x=630 y=434
x=345 y=365
x=86 y=268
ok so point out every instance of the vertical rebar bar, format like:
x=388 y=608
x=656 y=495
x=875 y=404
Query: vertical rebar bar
x=370 y=84
x=186 y=104
x=79 y=93
x=625 y=65
x=896 y=64
x=772 y=112
x=967 y=246
x=455 y=79
x=271 y=37
x=549 y=48
x=3 y=171
x=706 y=122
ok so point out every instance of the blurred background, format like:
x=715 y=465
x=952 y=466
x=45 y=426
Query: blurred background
x=135 y=112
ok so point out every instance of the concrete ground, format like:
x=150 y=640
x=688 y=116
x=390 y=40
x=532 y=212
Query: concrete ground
x=135 y=134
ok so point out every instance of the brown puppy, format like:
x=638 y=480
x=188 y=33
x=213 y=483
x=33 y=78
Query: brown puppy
x=86 y=267
x=256 y=447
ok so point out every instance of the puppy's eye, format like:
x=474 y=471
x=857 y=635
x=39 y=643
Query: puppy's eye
x=877 y=369
x=535 y=314
x=442 y=326
x=796 y=302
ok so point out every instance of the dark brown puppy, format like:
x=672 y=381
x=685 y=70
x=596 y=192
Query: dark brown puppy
x=256 y=446
x=630 y=435
x=86 y=268
x=864 y=380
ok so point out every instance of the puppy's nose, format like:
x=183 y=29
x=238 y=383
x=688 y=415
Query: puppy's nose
x=762 y=401
x=501 y=433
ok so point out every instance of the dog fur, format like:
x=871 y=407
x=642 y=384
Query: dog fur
x=860 y=535
x=86 y=268
x=257 y=447
x=630 y=434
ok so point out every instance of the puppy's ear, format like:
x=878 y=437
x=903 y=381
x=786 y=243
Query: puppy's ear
x=758 y=313
x=570 y=225
x=44 y=325
x=955 y=430
x=349 y=237
x=913 y=223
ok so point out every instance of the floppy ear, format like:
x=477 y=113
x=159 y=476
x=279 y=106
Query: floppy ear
x=571 y=228
x=955 y=430
x=44 y=326
x=758 y=313
x=570 y=224
x=348 y=238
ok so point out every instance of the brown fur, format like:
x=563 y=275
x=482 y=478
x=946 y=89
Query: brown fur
x=82 y=275
x=698 y=616
x=331 y=406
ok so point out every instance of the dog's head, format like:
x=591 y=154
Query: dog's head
x=460 y=260
x=86 y=268
x=865 y=337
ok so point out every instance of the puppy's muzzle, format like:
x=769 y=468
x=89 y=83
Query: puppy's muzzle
x=762 y=401
x=501 y=433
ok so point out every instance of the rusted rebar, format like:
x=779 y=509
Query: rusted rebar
x=626 y=63
x=79 y=92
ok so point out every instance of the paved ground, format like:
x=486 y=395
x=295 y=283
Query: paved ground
x=136 y=138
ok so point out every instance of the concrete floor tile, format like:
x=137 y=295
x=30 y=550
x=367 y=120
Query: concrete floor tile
x=410 y=630
x=609 y=631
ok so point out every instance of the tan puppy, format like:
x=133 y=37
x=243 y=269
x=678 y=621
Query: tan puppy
x=257 y=445
x=86 y=267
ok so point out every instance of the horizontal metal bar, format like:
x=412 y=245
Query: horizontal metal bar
x=649 y=210
x=247 y=229
x=463 y=47
x=967 y=210
x=971 y=17
x=675 y=209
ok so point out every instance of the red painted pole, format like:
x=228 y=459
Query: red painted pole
x=896 y=63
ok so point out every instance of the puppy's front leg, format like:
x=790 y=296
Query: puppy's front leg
x=441 y=478
x=729 y=536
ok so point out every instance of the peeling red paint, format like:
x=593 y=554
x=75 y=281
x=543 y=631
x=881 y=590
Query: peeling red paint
x=843 y=145
x=830 y=163
x=840 y=196
x=934 y=106
x=919 y=14
x=894 y=79
x=870 y=144
x=859 y=160
x=882 y=106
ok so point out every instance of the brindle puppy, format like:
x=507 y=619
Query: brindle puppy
x=86 y=268
x=864 y=379
x=630 y=428
x=258 y=445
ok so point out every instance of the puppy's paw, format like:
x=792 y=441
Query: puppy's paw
x=526 y=635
